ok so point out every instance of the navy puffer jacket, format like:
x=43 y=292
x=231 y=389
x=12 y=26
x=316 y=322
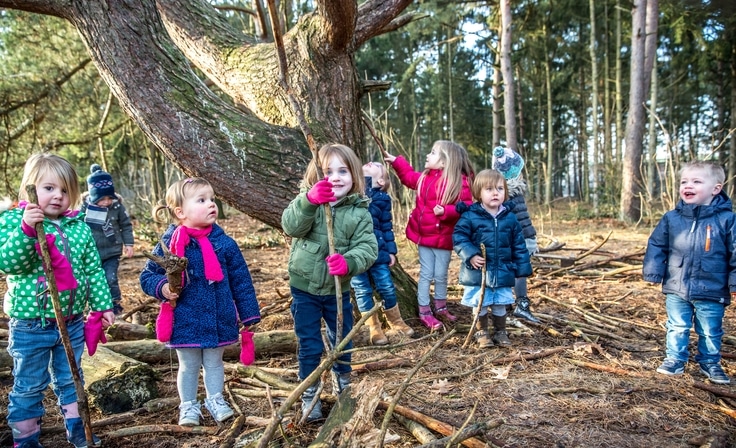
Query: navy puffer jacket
x=517 y=205
x=383 y=228
x=691 y=251
x=506 y=254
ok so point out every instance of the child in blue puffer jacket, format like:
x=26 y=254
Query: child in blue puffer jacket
x=691 y=252
x=489 y=223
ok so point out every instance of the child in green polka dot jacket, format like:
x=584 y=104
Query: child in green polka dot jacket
x=33 y=341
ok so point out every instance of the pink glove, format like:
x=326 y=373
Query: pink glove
x=247 y=348
x=63 y=273
x=337 y=264
x=93 y=332
x=165 y=322
x=321 y=193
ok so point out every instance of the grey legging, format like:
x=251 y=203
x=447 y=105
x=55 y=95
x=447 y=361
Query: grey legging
x=190 y=361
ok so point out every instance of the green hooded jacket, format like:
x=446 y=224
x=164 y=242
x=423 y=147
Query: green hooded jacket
x=353 y=238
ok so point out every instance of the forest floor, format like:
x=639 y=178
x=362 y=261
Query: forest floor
x=585 y=377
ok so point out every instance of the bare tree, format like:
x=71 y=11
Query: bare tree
x=643 y=51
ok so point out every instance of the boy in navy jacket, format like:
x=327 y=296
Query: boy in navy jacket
x=691 y=252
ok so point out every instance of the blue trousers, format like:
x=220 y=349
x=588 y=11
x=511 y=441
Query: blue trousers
x=308 y=310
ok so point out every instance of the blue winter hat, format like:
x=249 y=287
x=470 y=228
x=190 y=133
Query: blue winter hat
x=99 y=184
x=508 y=162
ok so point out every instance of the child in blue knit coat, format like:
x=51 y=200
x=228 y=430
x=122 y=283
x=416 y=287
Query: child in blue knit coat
x=217 y=295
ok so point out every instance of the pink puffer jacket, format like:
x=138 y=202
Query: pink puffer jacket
x=424 y=227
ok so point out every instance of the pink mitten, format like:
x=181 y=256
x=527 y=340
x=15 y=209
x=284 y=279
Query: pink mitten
x=93 y=332
x=337 y=264
x=63 y=273
x=165 y=322
x=247 y=348
x=321 y=193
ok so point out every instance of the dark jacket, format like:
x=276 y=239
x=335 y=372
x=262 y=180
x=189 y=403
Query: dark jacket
x=517 y=205
x=506 y=254
x=691 y=251
x=111 y=231
x=207 y=313
x=380 y=208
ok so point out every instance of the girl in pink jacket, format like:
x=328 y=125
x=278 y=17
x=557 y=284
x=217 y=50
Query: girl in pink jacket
x=445 y=181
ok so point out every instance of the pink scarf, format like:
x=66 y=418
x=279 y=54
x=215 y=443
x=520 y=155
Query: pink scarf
x=181 y=237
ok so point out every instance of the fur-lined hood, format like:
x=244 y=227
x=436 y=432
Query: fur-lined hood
x=516 y=187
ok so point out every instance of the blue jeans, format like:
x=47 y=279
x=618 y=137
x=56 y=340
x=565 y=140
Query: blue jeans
x=708 y=318
x=380 y=273
x=39 y=358
x=110 y=266
x=308 y=310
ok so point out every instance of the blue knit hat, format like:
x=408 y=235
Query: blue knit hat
x=99 y=184
x=508 y=162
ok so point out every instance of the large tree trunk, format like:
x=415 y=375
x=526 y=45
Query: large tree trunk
x=643 y=46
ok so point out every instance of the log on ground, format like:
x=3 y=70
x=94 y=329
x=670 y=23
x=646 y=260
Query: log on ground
x=116 y=383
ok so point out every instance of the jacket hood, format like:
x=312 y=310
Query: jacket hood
x=720 y=203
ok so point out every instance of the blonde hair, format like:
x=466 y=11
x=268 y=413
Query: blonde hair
x=41 y=164
x=385 y=177
x=489 y=178
x=714 y=170
x=175 y=197
x=457 y=163
x=347 y=156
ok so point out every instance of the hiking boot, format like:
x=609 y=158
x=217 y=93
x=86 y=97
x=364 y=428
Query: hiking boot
x=522 y=310
x=75 y=434
x=672 y=366
x=218 y=407
x=189 y=413
x=715 y=373
x=28 y=443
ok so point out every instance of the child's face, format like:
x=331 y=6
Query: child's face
x=199 y=209
x=339 y=174
x=433 y=160
x=377 y=173
x=105 y=201
x=52 y=196
x=491 y=197
x=697 y=187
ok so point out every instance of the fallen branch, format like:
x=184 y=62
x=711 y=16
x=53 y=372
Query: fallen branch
x=430 y=422
x=165 y=429
x=607 y=369
x=470 y=431
x=715 y=390
x=528 y=357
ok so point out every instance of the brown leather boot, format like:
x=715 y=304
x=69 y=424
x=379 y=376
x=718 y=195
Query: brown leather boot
x=374 y=325
x=393 y=316
x=482 y=336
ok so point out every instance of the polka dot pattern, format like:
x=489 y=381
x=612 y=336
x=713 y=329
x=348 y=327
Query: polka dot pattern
x=24 y=270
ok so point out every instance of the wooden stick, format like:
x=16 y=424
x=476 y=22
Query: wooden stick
x=607 y=369
x=714 y=390
x=48 y=270
x=476 y=315
x=283 y=70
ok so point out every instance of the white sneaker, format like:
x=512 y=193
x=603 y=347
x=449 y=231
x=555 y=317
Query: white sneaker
x=218 y=407
x=189 y=413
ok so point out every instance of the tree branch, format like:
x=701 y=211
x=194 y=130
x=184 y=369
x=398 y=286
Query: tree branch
x=377 y=17
x=56 y=8
x=339 y=18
